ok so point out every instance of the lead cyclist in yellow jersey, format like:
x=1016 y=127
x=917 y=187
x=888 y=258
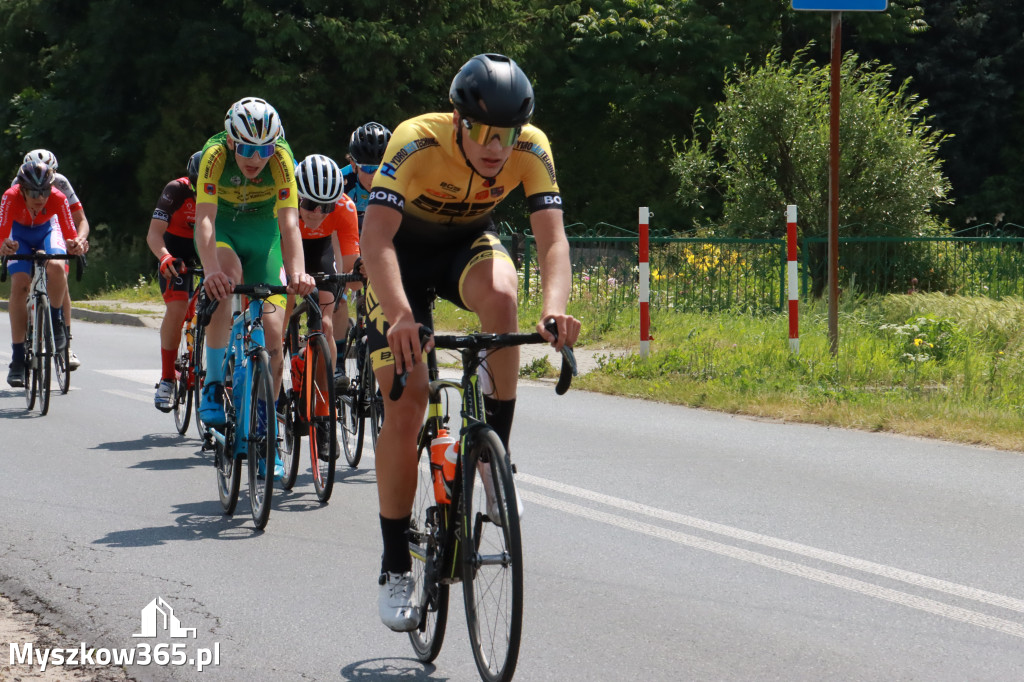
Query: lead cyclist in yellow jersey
x=428 y=226
x=247 y=230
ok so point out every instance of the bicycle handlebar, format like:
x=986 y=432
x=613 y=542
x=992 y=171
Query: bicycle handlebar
x=261 y=291
x=481 y=341
x=80 y=262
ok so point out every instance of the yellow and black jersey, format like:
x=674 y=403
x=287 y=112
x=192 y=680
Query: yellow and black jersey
x=426 y=176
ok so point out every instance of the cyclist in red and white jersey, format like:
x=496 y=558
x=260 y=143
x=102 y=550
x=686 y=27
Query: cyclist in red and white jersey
x=34 y=216
x=170 y=238
x=81 y=226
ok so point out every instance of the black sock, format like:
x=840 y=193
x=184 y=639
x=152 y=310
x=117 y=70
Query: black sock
x=499 y=416
x=18 y=353
x=395 y=533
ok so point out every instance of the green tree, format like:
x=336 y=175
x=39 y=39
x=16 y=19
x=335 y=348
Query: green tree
x=769 y=147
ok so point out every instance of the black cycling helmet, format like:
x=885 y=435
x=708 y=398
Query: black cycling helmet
x=35 y=176
x=368 y=143
x=192 y=170
x=493 y=90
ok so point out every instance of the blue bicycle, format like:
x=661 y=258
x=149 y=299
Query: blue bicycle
x=251 y=430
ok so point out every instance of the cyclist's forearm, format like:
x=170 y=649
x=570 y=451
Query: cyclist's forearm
x=155 y=238
x=553 y=259
x=291 y=242
x=206 y=238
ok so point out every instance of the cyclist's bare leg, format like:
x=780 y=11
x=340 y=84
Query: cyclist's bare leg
x=273 y=332
x=396 y=445
x=56 y=281
x=20 y=284
x=170 y=328
x=67 y=304
x=490 y=290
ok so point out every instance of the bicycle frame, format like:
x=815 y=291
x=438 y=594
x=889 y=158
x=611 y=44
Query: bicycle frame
x=247 y=337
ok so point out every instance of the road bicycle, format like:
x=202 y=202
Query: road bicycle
x=188 y=368
x=40 y=347
x=251 y=429
x=360 y=404
x=306 y=403
x=465 y=519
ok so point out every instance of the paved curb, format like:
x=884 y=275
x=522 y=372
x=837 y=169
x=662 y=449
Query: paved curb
x=109 y=317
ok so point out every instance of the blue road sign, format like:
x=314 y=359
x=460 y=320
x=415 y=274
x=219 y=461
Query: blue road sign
x=842 y=5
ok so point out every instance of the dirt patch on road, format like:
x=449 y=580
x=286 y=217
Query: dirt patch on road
x=21 y=627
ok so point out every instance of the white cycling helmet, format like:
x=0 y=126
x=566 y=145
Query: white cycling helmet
x=252 y=120
x=42 y=156
x=319 y=179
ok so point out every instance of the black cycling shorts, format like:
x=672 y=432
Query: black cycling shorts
x=429 y=270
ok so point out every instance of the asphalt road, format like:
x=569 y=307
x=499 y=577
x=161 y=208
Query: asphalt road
x=662 y=543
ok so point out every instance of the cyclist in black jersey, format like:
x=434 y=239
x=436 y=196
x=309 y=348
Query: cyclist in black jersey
x=428 y=226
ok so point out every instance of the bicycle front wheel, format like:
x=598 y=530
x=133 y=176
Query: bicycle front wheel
x=426 y=532
x=348 y=404
x=31 y=373
x=44 y=344
x=318 y=398
x=262 y=443
x=289 y=443
x=492 y=557
x=61 y=366
x=181 y=396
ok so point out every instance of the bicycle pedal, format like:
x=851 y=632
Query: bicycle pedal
x=515 y=469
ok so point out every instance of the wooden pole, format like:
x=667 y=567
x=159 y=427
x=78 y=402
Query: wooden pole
x=833 y=186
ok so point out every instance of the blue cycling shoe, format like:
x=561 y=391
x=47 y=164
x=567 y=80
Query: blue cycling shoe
x=278 y=468
x=211 y=407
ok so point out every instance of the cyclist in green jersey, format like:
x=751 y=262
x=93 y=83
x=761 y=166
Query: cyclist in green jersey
x=247 y=230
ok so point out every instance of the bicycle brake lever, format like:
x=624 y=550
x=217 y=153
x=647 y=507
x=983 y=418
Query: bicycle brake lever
x=569 y=370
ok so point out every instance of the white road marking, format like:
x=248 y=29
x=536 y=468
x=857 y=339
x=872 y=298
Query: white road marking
x=141 y=376
x=776 y=543
x=793 y=568
x=141 y=397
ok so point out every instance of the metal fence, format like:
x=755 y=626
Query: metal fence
x=748 y=275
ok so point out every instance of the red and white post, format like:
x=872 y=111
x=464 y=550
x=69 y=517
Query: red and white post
x=645 y=282
x=794 y=293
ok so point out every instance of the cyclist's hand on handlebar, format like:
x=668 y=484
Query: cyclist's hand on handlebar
x=218 y=285
x=78 y=246
x=301 y=284
x=171 y=266
x=8 y=247
x=404 y=341
x=568 y=330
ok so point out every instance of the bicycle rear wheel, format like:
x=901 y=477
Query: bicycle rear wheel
x=262 y=443
x=45 y=344
x=229 y=473
x=426 y=531
x=492 y=557
x=321 y=414
x=61 y=363
x=198 y=375
x=181 y=396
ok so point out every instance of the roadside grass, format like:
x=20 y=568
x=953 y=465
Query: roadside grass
x=933 y=365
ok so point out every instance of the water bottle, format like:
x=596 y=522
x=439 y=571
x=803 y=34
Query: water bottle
x=443 y=455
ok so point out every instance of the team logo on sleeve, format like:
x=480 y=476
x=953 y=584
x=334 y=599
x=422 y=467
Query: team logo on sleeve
x=283 y=194
x=210 y=188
